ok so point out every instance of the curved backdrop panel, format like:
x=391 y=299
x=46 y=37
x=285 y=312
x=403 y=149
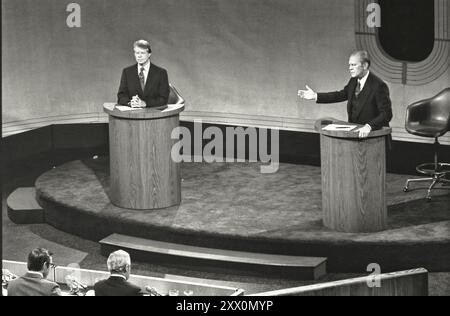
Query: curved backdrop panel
x=235 y=61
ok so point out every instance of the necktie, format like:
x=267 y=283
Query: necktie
x=142 y=78
x=358 y=88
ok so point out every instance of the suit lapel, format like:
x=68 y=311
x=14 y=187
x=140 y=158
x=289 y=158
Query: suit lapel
x=135 y=76
x=33 y=276
x=116 y=279
x=150 y=77
x=351 y=90
x=363 y=95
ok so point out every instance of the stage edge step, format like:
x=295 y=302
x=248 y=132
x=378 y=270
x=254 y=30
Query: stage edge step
x=267 y=265
x=23 y=207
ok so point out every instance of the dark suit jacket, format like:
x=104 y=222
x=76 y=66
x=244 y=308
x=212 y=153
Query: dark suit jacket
x=116 y=286
x=33 y=285
x=375 y=105
x=156 y=91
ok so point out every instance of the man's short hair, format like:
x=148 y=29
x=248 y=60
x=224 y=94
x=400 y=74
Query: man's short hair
x=118 y=261
x=363 y=56
x=143 y=44
x=37 y=258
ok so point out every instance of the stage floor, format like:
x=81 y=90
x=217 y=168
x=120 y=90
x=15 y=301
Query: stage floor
x=234 y=206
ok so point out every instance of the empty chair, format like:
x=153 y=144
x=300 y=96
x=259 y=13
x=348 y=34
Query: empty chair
x=430 y=118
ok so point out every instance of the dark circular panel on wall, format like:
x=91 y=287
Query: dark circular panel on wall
x=407 y=29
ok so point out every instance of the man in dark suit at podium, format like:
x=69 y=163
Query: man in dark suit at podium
x=368 y=98
x=144 y=84
x=119 y=265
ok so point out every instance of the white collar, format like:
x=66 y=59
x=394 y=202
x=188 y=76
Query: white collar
x=118 y=275
x=36 y=272
x=146 y=66
x=363 y=80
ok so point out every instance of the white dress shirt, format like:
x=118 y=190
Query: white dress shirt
x=36 y=273
x=146 y=70
x=118 y=275
x=363 y=80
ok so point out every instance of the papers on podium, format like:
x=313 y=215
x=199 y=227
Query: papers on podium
x=338 y=127
x=126 y=108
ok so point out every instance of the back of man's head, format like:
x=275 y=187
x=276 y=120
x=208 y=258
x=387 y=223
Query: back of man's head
x=119 y=262
x=38 y=258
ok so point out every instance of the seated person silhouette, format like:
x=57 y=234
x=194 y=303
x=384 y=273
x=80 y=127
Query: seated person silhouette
x=119 y=265
x=34 y=282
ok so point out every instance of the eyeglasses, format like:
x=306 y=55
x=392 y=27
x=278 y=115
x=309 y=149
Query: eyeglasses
x=53 y=266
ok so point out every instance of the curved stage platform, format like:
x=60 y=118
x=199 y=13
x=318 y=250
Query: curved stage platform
x=233 y=206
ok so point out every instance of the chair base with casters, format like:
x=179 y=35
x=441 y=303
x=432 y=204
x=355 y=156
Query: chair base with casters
x=436 y=171
x=430 y=118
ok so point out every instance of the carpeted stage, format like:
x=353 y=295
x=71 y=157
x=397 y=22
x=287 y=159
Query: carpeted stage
x=234 y=206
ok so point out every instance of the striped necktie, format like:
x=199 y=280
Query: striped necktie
x=142 y=78
x=358 y=88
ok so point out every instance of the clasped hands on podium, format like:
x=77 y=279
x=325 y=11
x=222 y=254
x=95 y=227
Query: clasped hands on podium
x=137 y=102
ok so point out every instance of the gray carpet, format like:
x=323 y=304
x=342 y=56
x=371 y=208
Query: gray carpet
x=235 y=199
x=234 y=206
x=19 y=239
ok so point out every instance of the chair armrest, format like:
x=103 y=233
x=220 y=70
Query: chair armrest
x=418 y=111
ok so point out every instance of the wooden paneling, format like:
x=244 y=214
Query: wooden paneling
x=353 y=184
x=354 y=181
x=144 y=113
x=143 y=173
x=401 y=283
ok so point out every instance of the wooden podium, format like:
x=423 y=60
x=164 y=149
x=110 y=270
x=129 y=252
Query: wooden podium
x=142 y=172
x=353 y=179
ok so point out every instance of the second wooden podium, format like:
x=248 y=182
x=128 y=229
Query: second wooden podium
x=353 y=179
x=142 y=172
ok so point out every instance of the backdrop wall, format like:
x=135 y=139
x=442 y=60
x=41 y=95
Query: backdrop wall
x=234 y=61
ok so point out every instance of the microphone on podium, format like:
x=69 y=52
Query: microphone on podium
x=74 y=285
x=8 y=275
x=152 y=291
